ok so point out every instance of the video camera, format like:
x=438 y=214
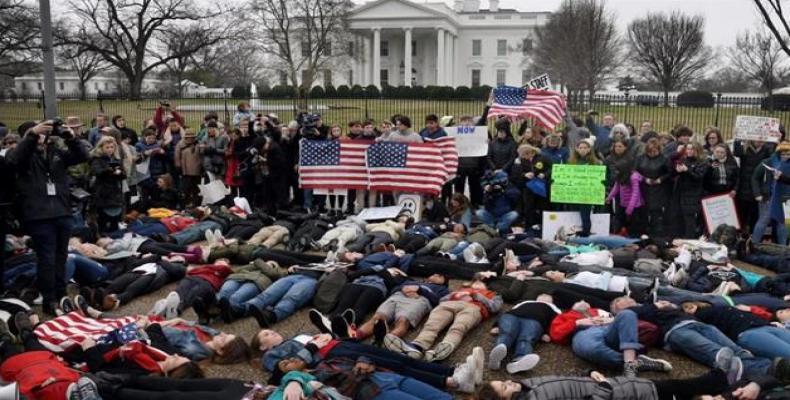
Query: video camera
x=58 y=129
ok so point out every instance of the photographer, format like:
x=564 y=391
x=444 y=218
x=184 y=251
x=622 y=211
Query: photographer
x=108 y=188
x=43 y=193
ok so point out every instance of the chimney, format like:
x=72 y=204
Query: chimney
x=493 y=5
x=458 y=6
x=471 y=6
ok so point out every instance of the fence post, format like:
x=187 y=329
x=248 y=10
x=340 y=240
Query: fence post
x=718 y=102
x=225 y=100
x=43 y=105
x=365 y=95
x=101 y=101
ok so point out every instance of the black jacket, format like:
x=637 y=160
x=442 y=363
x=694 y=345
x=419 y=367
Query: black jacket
x=655 y=196
x=35 y=169
x=750 y=159
x=689 y=185
x=538 y=165
x=501 y=152
x=108 y=187
x=730 y=321
x=712 y=178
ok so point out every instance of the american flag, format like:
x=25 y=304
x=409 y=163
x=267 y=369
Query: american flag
x=447 y=146
x=333 y=164
x=545 y=106
x=413 y=168
x=69 y=330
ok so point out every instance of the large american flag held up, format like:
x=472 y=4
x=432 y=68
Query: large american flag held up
x=450 y=155
x=410 y=168
x=545 y=106
x=333 y=164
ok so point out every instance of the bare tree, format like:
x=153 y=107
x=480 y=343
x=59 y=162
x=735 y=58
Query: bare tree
x=303 y=36
x=233 y=63
x=579 y=45
x=86 y=64
x=130 y=33
x=20 y=38
x=761 y=59
x=669 y=49
x=775 y=20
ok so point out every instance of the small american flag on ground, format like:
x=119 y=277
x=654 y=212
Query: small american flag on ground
x=446 y=145
x=545 y=106
x=67 y=331
x=411 y=168
x=335 y=164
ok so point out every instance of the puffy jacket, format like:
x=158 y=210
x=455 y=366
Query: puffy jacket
x=177 y=223
x=214 y=274
x=30 y=369
x=563 y=388
x=108 y=187
x=564 y=325
x=35 y=170
x=630 y=196
x=501 y=152
x=655 y=196
x=749 y=158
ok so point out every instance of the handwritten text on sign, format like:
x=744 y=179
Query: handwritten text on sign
x=470 y=141
x=720 y=210
x=542 y=82
x=764 y=129
x=578 y=184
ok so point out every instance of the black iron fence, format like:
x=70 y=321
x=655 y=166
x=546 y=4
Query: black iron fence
x=697 y=112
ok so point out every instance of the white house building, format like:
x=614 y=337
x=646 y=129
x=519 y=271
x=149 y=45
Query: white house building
x=67 y=84
x=407 y=43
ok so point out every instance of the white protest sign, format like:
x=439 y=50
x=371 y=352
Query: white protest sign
x=552 y=221
x=413 y=203
x=764 y=129
x=470 y=141
x=718 y=210
x=379 y=213
x=213 y=192
x=542 y=82
x=335 y=192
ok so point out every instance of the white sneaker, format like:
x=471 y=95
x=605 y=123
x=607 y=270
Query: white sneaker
x=479 y=360
x=159 y=308
x=497 y=355
x=171 y=305
x=212 y=241
x=524 y=363
x=464 y=378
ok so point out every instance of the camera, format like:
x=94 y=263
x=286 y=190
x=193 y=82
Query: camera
x=58 y=129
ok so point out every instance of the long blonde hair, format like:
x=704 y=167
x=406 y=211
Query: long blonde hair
x=97 y=151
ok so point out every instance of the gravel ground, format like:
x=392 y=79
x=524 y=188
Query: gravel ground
x=555 y=359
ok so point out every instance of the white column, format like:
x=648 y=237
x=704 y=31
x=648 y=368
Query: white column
x=440 y=56
x=367 y=69
x=376 y=57
x=448 y=59
x=407 y=56
x=454 y=59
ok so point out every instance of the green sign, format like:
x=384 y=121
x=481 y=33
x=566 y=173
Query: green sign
x=578 y=184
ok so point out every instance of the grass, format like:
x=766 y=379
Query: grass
x=341 y=111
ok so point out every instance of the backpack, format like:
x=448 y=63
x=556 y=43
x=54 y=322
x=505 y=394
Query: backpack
x=328 y=290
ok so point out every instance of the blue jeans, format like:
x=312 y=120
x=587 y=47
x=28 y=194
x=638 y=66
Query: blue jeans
x=603 y=345
x=522 y=333
x=502 y=222
x=762 y=223
x=701 y=342
x=398 y=387
x=766 y=341
x=285 y=295
x=50 y=242
x=608 y=241
x=84 y=270
x=459 y=248
x=775 y=263
x=195 y=232
x=238 y=293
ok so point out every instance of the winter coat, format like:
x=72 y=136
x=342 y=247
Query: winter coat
x=655 y=196
x=499 y=202
x=763 y=181
x=749 y=160
x=214 y=153
x=157 y=164
x=213 y=274
x=603 y=140
x=557 y=155
x=427 y=135
x=188 y=159
x=35 y=171
x=481 y=234
x=108 y=187
x=260 y=272
x=563 y=326
x=630 y=195
x=32 y=368
x=563 y=388
x=688 y=189
x=713 y=177
x=501 y=152
x=394 y=229
x=537 y=165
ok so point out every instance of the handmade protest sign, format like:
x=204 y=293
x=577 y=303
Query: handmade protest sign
x=765 y=129
x=542 y=82
x=719 y=210
x=578 y=184
x=470 y=141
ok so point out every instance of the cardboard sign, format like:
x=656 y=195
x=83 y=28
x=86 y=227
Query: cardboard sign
x=413 y=203
x=470 y=141
x=764 y=129
x=542 y=82
x=213 y=192
x=718 y=210
x=572 y=221
x=578 y=184
x=379 y=213
x=335 y=192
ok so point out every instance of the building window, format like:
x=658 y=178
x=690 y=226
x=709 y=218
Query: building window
x=62 y=86
x=477 y=47
x=525 y=77
x=305 y=49
x=40 y=86
x=328 y=48
x=475 y=78
x=96 y=86
x=413 y=48
x=327 y=78
x=501 y=74
x=385 y=49
x=24 y=86
x=283 y=78
x=385 y=77
x=501 y=47
x=526 y=46
x=351 y=49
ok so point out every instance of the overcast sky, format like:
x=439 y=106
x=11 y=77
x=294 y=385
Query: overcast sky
x=724 y=19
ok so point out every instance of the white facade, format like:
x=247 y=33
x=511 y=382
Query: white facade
x=403 y=43
x=67 y=84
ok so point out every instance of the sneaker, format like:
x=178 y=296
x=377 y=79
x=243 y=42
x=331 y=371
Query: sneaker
x=731 y=365
x=72 y=289
x=463 y=376
x=225 y=311
x=158 y=309
x=339 y=326
x=210 y=238
x=497 y=355
x=202 y=311
x=22 y=322
x=630 y=369
x=525 y=363
x=781 y=370
x=398 y=345
x=265 y=318
x=87 y=389
x=442 y=351
x=320 y=321
x=479 y=361
x=350 y=316
x=680 y=278
x=66 y=305
x=205 y=252
x=171 y=305
x=380 y=329
x=81 y=305
x=645 y=363
x=5 y=332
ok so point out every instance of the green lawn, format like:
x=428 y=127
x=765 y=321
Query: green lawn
x=341 y=111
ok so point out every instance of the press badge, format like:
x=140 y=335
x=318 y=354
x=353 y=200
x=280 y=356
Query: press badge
x=51 y=189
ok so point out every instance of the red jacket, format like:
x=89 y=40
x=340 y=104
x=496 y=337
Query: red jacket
x=32 y=368
x=177 y=224
x=564 y=325
x=213 y=274
x=461 y=293
x=140 y=354
x=159 y=118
